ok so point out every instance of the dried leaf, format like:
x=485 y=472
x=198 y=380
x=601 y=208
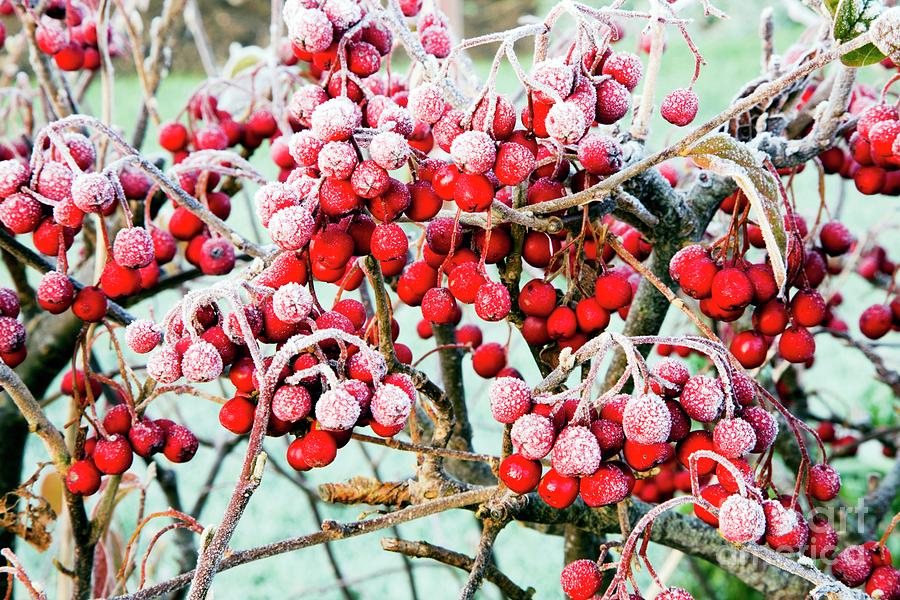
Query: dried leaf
x=27 y=514
x=728 y=157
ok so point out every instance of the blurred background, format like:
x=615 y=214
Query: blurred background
x=840 y=382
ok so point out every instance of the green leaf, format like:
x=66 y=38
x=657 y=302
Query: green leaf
x=853 y=17
x=831 y=5
x=861 y=57
x=728 y=157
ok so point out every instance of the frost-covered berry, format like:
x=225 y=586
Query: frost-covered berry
x=853 y=565
x=514 y=163
x=390 y=406
x=611 y=483
x=12 y=335
x=337 y=410
x=394 y=117
x=599 y=154
x=435 y=40
x=304 y=101
x=565 y=122
x=824 y=482
x=780 y=520
x=92 y=192
x=13 y=174
x=292 y=303
x=581 y=579
x=764 y=425
x=164 y=365
x=291 y=227
x=646 y=419
x=81 y=149
x=181 y=443
x=389 y=150
x=370 y=180
x=309 y=29
x=142 y=336
x=679 y=107
x=21 y=213
x=734 y=437
x=671 y=376
x=492 y=301
x=366 y=367
x=342 y=13
x=624 y=67
x=337 y=159
x=55 y=292
x=9 y=303
x=271 y=198
x=613 y=102
x=67 y=214
x=133 y=248
x=532 y=436
x=216 y=256
x=702 y=398
x=335 y=120
x=360 y=391
x=304 y=148
x=473 y=151
x=55 y=181
x=741 y=519
x=291 y=403
x=426 y=103
x=510 y=398
x=576 y=452
x=556 y=75
x=201 y=362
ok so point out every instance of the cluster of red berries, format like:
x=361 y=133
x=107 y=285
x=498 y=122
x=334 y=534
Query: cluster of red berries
x=872 y=156
x=213 y=128
x=725 y=288
x=319 y=395
x=50 y=202
x=877 y=320
x=12 y=332
x=120 y=435
x=67 y=31
x=869 y=564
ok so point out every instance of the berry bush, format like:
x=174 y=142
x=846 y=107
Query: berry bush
x=352 y=186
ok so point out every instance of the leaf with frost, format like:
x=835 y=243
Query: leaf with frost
x=852 y=18
x=725 y=156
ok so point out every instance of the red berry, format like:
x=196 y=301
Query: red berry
x=824 y=482
x=741 y=519
x=853 y=565
x=83 y=478
x=876 y=321
x=796 y=344
x=113 y=455
x=520 y=474
x=732 y=289
x=581 y=579
x=90 y=304
x=181 y=444
x=489 y=359
x=715 y=494
x=750 y=348
x=473 y=192
x=558 y=490
x=679 y=107
x=146 y=438
x=611 y=483
x=612 y=291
